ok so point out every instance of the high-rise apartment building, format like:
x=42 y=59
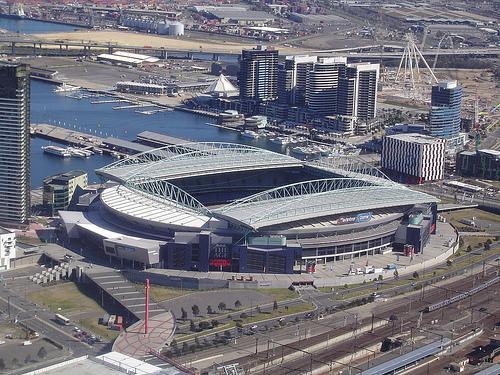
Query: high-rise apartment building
x=14 y=144
x=323 y=84
x=357 y=94
x=292 y=79
x=258 y=77
x=446 y=107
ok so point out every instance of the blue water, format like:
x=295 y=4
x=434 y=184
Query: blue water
x=103 y=121
x=32 y=27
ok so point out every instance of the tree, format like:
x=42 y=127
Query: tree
x=196 y=310
x=42 y=352
x=275 y=305
x=184 y=347
x=237 y=304
x=415 y=275
x=222 y=306
x=15 y=362
x=27 y=359
x=215 y=323
x=173 y=345
x=486 y=246
x=184 y=314
x=227 y=333
x=2 y=364
x=192 y=326
x=259 y=310
x=197 y=341
x=243 y=315
x=469 y=249
x=209 y=310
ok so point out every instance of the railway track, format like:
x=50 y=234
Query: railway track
x=403 y=316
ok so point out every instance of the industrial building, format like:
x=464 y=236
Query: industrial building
x=229 y=207
x=413 y=158
x=7 y=248
x=127 y=58
x=14 y=144
x=58 y=190
x=481 y=163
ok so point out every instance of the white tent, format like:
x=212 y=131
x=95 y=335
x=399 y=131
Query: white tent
x=222 y=87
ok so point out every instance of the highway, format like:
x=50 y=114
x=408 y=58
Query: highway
x=30 y=42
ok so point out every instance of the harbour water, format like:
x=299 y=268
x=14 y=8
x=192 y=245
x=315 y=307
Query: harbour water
x=101 y=120
x=25 y=26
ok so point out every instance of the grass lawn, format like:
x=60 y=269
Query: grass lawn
x=278 y=294
x=161 y=293
x=454 y=217
x=66 y=297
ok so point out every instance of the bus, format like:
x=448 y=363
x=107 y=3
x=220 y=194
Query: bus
x=62 y=319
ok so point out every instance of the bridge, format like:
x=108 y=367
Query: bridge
x=18 y=45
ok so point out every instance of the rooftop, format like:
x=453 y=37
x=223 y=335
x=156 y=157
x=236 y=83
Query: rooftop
x=248 y=15
x=416 y=138
x=66 y=176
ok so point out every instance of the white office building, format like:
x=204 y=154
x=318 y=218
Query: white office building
x=413 y=158
x=7 y=248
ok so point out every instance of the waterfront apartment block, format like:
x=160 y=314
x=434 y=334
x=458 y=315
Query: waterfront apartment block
x=58 y=190
x=14 y=144
x=258 y=77
x=413 y=158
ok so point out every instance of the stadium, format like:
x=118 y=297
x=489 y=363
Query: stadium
x=231 y=207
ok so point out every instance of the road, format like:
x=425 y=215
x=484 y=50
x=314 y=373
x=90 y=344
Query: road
x=42 y=321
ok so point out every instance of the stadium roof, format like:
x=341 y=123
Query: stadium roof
x=310 y=199
x=146 y=192
x=195 y=159
x=171 y=206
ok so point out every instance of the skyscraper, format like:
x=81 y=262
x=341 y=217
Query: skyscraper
x=292 y=75
x=258 y=77
x=322 y=85
x=14 y=144
x=357 y=94
x=446 y=107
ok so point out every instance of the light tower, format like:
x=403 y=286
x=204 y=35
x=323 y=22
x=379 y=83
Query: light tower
x=409 y=69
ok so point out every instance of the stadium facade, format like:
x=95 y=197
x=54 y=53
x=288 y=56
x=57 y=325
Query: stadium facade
x=236 y=208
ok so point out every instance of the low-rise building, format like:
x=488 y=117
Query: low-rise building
x=58 y=190
x=481 y=163
x=413 y=158
x=7 y=248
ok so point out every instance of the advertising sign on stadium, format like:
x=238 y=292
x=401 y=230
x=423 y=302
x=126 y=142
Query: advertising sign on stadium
x=359 y=218
x=220 y=262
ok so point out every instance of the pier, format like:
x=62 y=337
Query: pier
x=78 y=139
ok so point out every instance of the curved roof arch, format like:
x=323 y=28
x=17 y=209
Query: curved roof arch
x=310 y=199
x=195 y=159
x=166 y=193
x=352 y=166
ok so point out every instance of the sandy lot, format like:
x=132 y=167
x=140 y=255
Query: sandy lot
x=140 y=40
